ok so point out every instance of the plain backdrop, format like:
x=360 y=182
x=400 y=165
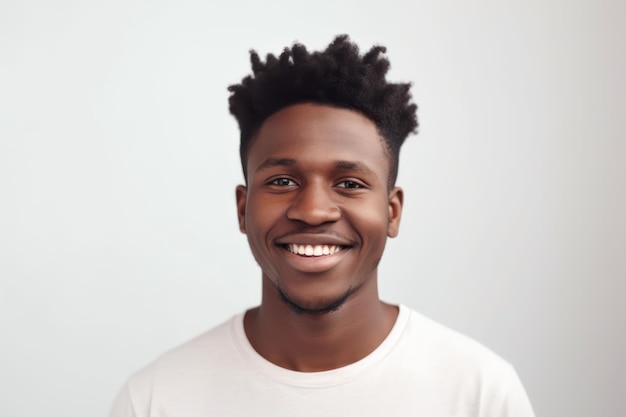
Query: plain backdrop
x=118 y=163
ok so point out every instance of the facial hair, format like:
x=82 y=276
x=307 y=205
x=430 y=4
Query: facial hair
x=326 y=308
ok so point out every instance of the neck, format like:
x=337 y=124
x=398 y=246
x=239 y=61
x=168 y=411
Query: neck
x=311 y=342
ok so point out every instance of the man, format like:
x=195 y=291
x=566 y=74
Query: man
x=320 y=138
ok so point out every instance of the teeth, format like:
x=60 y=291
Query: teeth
x=313 y=250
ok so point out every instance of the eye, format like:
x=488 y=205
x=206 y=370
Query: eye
x=349 y=184
x=282 y=182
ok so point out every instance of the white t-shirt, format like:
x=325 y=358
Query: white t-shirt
x=420 y=369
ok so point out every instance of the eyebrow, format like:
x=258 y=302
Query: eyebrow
x=339 y=166
x=354 y=166
x=276 y=162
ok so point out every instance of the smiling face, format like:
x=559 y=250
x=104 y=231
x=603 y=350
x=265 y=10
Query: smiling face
x=317 y=208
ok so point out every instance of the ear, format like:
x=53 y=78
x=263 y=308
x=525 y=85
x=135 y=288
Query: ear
x=241 y=197
x=396 y=199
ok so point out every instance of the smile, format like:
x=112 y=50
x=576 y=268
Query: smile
x=313 y=250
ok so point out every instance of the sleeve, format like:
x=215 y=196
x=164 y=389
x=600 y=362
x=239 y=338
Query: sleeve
x=517 y=403
x=123 y=404
x=505 y=396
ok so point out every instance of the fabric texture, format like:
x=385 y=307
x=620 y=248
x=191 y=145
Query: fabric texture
x=420 y=369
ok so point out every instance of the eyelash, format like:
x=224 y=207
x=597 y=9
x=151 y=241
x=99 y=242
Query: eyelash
x=277 y=180
x=287 y=182
x=355 y=184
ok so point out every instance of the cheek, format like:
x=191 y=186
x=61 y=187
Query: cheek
x=260 y=226
x=261 y=218
x=371 y=220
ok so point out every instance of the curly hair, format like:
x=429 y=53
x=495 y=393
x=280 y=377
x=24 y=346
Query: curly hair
x=338 y=76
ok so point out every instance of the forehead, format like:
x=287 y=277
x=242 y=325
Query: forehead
x=313 y=132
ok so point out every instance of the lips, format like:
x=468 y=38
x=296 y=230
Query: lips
x=313 y=250
x=313 y=258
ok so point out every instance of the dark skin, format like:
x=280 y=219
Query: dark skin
x=317 y=210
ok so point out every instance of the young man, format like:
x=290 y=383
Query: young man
x=320 y=139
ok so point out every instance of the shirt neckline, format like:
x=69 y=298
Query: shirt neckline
x=317 y=379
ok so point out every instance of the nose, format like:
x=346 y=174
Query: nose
x=314 y=204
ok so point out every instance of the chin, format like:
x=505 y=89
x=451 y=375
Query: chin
x=314 y=307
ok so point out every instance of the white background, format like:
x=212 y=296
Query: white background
x=118 y=162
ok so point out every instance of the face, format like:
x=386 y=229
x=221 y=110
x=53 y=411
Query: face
x=317 y=209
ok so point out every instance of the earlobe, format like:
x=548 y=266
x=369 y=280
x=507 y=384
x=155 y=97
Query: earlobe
x=241 y=196
x=396 y=199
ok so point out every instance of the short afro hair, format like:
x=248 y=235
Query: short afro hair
x=338 y=76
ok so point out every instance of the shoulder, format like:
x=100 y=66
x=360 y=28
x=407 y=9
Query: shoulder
x=444 y=346
x=455 y=363
x=178 y=371
x=215 y=342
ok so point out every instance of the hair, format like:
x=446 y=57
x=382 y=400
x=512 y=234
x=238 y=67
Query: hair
x=340 y=77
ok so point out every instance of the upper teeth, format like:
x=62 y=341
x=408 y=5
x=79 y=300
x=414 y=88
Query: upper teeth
x=313 y=250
